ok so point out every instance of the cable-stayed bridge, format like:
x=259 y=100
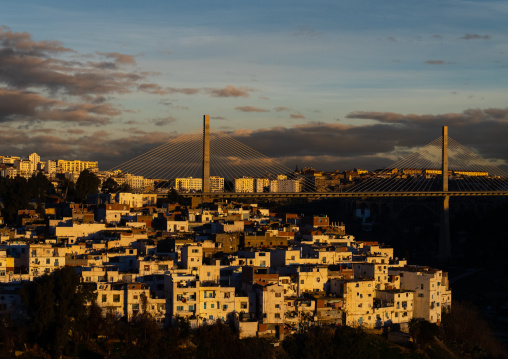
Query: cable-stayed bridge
x=214 y=164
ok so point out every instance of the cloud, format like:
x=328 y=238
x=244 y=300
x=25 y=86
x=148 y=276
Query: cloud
x=30 y=107
x=296 y=116
x=40 y=83
x=185 y=91
x=475 y=37
x=436 y=36
x=279 y=109
x=163 y=121
x=250 y=109
x=435 y=62
x=152 y=89
x=325 y=146
x=391 y=38
x=377 y=145
x=306 y=31
x=220 y=118
x=119 y=58
x=230 y=91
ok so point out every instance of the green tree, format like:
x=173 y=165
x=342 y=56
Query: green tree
x=174 y=196
x=56 y=310
x=87 y=183
x=16 y=195
x=109 y=186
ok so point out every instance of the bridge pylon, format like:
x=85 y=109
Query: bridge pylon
x=205 y=186
x=444 y=231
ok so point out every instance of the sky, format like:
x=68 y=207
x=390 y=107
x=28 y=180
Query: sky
x=329 y=84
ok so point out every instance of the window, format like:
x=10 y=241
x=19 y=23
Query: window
x=207 y=274
x=277 y=315
x=277 y=295
x=48 y=261
x=135 y=306
x=104 y=298
x=195 y=251
x=204 y=305
x=116 y=298
x=243 y=305
x=225 y=307
x=135 y=297
x=179 y=308
x=212 y=305
x=302 y=281
x=422 y=286
x=191 y=308
x=277 y=306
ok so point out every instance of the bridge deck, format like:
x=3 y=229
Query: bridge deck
x=343 y=194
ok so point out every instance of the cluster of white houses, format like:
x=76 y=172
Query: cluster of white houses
x=267 y=273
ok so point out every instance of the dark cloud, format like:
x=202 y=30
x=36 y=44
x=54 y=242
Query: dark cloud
x=163 y=121
x=474 y=37
x=339 y=146
x=30 y=107
x=435 y=62
x=250 y=109
x=41 y=85
x=326 y=146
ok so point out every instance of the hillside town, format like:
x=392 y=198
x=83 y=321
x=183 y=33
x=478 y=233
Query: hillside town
x=266 y=273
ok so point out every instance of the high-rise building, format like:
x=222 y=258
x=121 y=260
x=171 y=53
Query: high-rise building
x=34 y=159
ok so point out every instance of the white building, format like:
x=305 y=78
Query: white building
x=34 y=159
x=188 y=184
x=285 y=185
x=260 y=184
x=76 y=165
x=244 y=185
x=216 y=184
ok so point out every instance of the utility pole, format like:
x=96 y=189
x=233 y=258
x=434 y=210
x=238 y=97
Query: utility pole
x=444 y=233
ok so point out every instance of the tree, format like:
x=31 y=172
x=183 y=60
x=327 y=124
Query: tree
x=56 y=310
x=109 y=186
x=174 y=196
x=87 y=183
